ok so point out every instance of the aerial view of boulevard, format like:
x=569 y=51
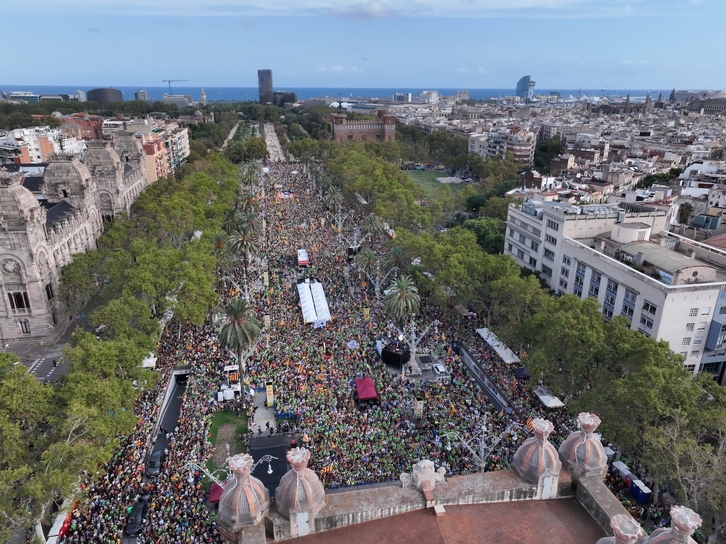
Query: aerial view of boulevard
x=346 y=313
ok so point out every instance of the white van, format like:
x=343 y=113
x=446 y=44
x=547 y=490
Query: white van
x=302 y=257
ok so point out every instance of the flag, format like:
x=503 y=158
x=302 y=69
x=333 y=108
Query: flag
x=327 y=468
x=529 y=424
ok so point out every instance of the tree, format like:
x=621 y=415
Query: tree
x=402 y=299
x=684 y=212
x=372 y=225
x=255 y=149
x=489 y=233
x=243 y=241
x=239 y=331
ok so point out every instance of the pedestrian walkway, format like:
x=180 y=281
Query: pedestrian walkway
x=264 y=416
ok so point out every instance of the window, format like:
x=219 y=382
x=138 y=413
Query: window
x=578 y=281
x=649 y=307
x=630 y=296
x=549 y=255
x=565 y=272
x=595 y=277
x=721 y=311
x=627 y=312
x=647 y=322
x=511 y=232
x=553 y=225
x=19 y=300
x=710 y=367
x=694 y=354
x=25 y=326
x=698 y=341
x=690 y=326
x=701 y=326
x=690 y=368
x=522 y=238
x=594 y=291
x=551 y=239
x=533 y=262
x=566 y=261
x=683 y=354
x=686 y=341
x=509 y=247
x=609 y=299
x=577 y=291
x=693 y=312
x=612 y=286
x=520 y=254
x=49 y=291
x=581 y=268
x=607 y=313
x=534 y=245
x=705 y=311
x=563 y=283
x=547 y=271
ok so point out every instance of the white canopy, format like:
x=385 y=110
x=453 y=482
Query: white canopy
x=321 y=304
x=546 y=398
x=503 y=351
x=150 y=361
x=306 y=303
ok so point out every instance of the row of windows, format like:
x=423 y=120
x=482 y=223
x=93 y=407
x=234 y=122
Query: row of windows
x=553 y=225
x=527 y=227
x=551 y=239
x=693 y=312
x=549 y=254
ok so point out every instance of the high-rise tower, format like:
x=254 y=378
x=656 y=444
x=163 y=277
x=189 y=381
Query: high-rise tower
x=264 y=82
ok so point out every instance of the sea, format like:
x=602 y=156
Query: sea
x=235 y=94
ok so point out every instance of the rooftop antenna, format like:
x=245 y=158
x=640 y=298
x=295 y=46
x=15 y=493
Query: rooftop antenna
x=170 y=80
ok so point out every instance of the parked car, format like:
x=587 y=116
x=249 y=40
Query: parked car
x=440 y=370
x=135 y=519
x=154 y=465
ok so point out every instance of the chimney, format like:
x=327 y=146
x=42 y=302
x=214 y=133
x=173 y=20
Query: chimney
x=639 y=259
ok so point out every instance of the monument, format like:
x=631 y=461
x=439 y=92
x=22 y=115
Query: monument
x=536 y=461
x=243 y=505
x=300 y=495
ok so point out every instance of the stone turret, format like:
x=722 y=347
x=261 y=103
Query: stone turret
x=536 y=460
x=244 y=504
x=300 y=495
x=684 y=523
x=582 y=452
x=19 y=209
x=625 y=529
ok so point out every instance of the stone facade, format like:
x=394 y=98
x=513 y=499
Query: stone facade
x=382 y=129
x=40 y=233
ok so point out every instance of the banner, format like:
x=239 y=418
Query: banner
x=266 y=278
x=418 y=408
x=366 y=314
x=270 y=395
x=267 y=320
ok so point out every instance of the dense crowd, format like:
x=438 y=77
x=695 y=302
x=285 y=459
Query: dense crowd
x=313 y=372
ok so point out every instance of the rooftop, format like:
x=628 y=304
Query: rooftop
x=562 y=521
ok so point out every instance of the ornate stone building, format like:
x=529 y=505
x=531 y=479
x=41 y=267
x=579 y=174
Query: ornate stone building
x=44 y=222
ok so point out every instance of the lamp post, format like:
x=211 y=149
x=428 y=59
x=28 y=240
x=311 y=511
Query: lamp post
x=478 y=449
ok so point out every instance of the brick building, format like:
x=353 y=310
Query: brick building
x=382 y=129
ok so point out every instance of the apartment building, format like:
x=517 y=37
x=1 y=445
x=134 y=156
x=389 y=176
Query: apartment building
x=669 y=287
x=36 y=145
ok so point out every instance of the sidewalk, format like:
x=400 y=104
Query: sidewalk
x=39 y=357
x=263 y=415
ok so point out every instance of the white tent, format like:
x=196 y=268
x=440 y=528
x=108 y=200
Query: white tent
x=321 y=304
x=306 y=303
x=150 y=361
x=503 y=351
x=546 y=398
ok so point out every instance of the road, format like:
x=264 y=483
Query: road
x=231 y=134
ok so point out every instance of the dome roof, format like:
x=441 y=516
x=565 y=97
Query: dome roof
x=684 y=523
x=300 y=490
x=245 y=500
x=18 y=206
x=127 y=145
x=536 y=457
x=101 y=158
x=581 y=451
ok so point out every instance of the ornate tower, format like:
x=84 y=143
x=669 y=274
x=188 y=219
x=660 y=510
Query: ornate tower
x=300 y=495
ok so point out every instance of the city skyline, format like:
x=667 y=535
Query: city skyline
x=379 y=43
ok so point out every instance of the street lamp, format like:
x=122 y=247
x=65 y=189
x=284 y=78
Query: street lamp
x=478 y=449
x=412 y=339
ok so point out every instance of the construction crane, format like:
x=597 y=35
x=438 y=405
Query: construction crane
x=170 y=80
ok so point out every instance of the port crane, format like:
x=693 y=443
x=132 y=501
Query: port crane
x=169 y=81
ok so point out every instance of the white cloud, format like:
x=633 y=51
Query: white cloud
x=344 y=8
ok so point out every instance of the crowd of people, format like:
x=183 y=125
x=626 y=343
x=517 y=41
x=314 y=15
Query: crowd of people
x=312 y=371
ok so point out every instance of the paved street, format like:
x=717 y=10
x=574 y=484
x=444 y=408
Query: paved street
x=39 y=358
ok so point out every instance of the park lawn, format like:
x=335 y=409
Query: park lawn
x=226 y=420
x=426 y=179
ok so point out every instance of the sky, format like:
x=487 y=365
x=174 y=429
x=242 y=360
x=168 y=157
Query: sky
x=562 y=44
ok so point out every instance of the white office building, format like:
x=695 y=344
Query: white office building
x=669 y=287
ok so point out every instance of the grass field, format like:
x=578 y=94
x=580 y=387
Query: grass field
x=232 y=427
x=426 y=179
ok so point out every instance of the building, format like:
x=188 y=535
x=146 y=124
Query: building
x=180 y=100
x=669 y=287
x=383 y=128
x=48 y=216
x=283 y=98
x=202 y=98
x=402 y=97
x=429 y=97
x=155 y=156
x=264 y=84
x=22 y=96
x=176 y=140
x=36 y=145
x=105 y=96
x=462 y=95
x=82 y=126
x=525 y=89
x=521 y=144
x=81 y=96
x=141 y=95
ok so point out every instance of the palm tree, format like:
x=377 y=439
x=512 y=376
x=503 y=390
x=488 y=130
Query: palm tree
x=239 y=332
x=396 y=258
x=373 y=225
x=366 y=261
x=231 y=220
x=402 y=299
x=684 y=212
x=333 y=198
x=243 y=241
x=220 y=250
x=248 y=204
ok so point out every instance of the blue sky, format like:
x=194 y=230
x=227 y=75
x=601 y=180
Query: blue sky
x=567 y=44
